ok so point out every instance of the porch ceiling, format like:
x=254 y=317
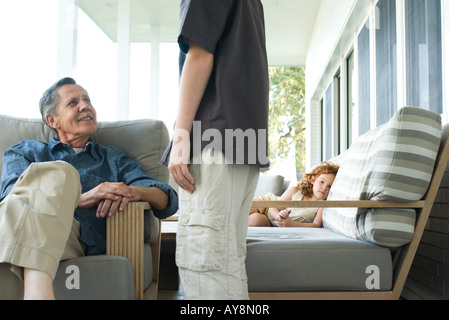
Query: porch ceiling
x=289 y=24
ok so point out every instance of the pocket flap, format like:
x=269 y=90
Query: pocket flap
x=213 y=220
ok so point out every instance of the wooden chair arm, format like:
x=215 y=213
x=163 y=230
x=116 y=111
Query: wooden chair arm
x=125 y=237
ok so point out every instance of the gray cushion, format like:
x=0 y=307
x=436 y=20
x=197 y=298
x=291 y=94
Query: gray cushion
x=19 y=129
x=270 y=184
x=312 y=259
x=143 y=141
x=394 y=162
x=101 y=277
x=12 y=285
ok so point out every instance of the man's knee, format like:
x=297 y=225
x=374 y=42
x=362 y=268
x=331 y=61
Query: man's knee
x=62 y=175
x=58 y=173
x=49 y=182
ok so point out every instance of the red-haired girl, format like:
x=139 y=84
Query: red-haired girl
x=314 y=187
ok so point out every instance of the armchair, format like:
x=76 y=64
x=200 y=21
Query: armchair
x=130 y=268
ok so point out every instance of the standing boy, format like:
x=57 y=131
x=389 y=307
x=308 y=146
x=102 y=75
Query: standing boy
x=223 y=103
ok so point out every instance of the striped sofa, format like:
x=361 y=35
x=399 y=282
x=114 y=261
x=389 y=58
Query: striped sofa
x=372 y=223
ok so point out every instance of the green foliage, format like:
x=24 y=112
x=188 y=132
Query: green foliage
x=287 y=115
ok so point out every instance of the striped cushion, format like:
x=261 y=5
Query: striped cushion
x=394 y=162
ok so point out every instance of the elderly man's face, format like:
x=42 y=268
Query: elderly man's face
x=76 y=119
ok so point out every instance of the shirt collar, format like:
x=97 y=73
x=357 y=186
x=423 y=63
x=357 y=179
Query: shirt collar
x=53 y=143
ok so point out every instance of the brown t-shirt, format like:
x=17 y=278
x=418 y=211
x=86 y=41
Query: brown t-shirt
x=235 y=104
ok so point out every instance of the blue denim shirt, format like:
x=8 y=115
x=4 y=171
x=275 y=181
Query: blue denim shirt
x=96 y=164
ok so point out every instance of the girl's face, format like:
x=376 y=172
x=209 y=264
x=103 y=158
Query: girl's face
x=322 y=185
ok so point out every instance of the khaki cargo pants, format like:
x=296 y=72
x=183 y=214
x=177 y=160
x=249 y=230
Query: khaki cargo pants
x=212 y=228
x=36 y=219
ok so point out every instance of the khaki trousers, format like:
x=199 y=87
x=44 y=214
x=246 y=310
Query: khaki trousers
x=37 y=228
x=212 y=228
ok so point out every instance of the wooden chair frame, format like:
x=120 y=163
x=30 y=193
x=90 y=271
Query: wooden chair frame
x=404 y=257
x=125 y=237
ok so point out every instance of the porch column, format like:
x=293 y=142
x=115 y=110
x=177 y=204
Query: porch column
x=67 y=39
x=123 y=58
x=155 y=71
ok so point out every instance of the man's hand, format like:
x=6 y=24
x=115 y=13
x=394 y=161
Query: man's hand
x=109 y=197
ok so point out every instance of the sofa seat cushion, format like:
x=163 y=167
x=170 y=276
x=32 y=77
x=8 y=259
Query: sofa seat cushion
x=312 y=259
x=394 y=162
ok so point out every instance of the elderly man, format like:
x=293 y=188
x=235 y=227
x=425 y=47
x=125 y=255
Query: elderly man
x=55 y=196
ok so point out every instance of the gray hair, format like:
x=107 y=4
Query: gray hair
x=48 y=104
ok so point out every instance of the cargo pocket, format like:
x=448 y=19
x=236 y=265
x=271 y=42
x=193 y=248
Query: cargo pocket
x=199 y=244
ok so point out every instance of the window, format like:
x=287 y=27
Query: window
x=96 y=68
x=327 y=126
x=386 y=62
x=169 y=84
x=364 y=81
x=397 y=58
x=28 y=58
x=140 y=81
x=351 y=110
x=336 y=135
x=424 y=54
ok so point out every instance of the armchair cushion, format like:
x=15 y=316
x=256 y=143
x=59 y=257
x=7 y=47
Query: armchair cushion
x=149 y=140
x=19 y=129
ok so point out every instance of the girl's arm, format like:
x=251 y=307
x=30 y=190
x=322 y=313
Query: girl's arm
x=289 y=223
x=287 y=196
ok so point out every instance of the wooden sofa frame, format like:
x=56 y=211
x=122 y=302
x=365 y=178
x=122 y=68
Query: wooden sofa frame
x=404 y=256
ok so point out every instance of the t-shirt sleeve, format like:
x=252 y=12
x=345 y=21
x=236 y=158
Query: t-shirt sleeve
x=203 y=21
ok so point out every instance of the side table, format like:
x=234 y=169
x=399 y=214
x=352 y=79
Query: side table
x=168 y=271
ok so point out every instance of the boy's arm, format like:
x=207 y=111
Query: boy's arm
x=195 y=76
